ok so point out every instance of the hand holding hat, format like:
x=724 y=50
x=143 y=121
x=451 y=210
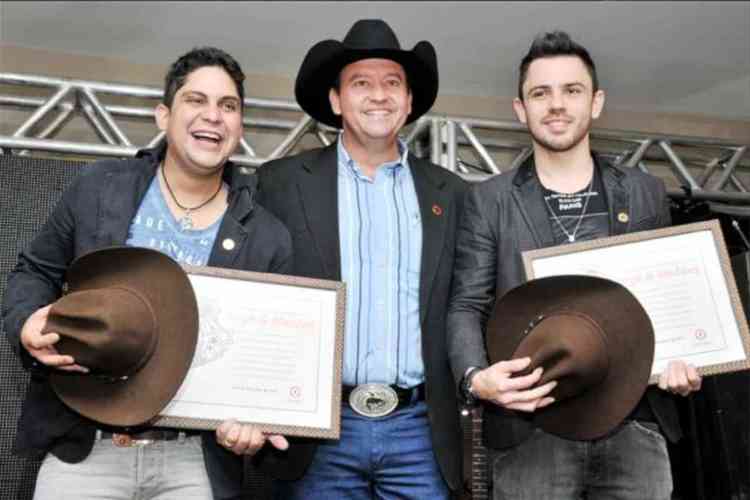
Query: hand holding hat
x=591 y=336
x=41 y=346
x=131 y=317
x=521 y=393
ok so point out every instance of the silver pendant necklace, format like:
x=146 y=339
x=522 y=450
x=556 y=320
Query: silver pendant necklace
x=186 y=221
x=572 y=236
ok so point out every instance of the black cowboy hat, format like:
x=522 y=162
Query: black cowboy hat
x=368 y=38
x=588 y=333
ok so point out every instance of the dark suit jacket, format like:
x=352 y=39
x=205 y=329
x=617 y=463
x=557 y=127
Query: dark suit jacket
x=302 y=192
x=95 y=212
x=505 y=216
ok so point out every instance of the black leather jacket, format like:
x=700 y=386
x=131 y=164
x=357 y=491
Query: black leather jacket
x=504 y=216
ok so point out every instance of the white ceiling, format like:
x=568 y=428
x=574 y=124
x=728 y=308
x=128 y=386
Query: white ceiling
x=689 y=57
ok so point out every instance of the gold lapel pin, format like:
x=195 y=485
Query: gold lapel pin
x=623 y=217
x=437 y=210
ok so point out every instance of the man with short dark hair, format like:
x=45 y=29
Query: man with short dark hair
x=367 y=212
x=562 y=194
x=182 y=198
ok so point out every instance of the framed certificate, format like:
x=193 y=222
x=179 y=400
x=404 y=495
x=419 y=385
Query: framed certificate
x=682 y=277
x=269 y=353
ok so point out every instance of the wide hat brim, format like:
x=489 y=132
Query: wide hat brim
x=628 y=335
x=145 y=393
x=325 y=60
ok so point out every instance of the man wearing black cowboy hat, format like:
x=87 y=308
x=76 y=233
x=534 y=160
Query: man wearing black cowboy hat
x=184 y=199
x=366 y=211
x=562 y=194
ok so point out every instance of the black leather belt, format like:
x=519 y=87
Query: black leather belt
x=374 y=400
x=144 y=437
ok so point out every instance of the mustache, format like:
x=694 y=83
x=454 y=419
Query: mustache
x=555 y=117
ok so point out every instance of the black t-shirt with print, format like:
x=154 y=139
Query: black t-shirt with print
x=565 y=209
x=578 y=216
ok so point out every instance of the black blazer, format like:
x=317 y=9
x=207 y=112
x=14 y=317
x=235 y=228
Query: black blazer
x=95 y=212
x=302 y=192
x=505 y=216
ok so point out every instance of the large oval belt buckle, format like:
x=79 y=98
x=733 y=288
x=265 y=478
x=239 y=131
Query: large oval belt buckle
x=373 y=400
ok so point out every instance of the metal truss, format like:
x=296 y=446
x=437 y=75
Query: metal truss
x=693 y=167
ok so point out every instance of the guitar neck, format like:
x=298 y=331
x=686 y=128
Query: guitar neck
x=476 y=461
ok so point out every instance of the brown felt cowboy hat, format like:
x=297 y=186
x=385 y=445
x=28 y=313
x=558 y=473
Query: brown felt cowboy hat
x=130 y=316
x=591 y=335
x=367 y=38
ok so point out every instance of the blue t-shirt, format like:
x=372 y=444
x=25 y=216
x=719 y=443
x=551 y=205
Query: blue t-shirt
x=155 y=227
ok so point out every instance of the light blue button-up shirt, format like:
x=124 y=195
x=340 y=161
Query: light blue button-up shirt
x=380 y=231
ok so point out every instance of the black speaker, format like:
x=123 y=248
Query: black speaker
x=29 y=188
x=713 y=460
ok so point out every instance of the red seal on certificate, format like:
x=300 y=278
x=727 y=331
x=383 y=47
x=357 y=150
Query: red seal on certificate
x=295 y=392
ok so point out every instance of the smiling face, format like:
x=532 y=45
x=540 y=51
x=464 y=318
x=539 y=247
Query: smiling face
x=204 y=124
x=559 y=103
x=373 y=100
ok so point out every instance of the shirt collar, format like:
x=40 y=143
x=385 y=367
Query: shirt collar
x=395 y=165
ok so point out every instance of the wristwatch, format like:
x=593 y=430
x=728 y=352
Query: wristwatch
x=467 y=395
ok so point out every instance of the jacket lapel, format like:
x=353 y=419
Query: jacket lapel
x=528 y=196
x=117 y=210
x=618 y=200
x=318 y=191
x=232 y=235
x=434 y=202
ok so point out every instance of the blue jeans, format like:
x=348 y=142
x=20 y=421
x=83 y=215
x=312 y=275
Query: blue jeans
x=386 y=457
x=158 y=471
x=629 y=464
